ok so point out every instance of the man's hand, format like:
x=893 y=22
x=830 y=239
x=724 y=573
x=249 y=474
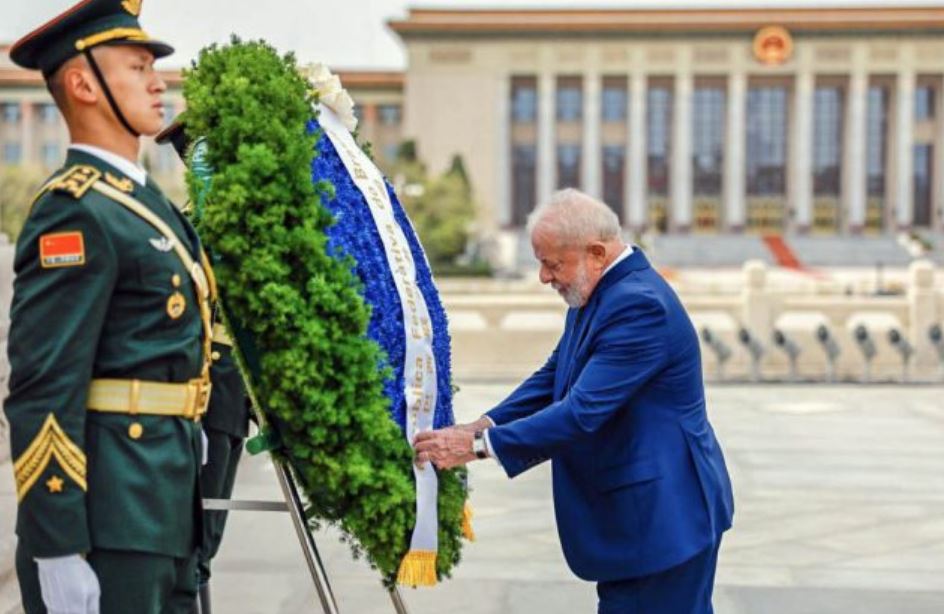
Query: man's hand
x=68 y=585
x=479 y=425
x=446 y=448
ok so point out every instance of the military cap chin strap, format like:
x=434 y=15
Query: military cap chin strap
x=111 y=99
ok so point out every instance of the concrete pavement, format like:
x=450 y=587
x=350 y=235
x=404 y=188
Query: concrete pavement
x=840 y=508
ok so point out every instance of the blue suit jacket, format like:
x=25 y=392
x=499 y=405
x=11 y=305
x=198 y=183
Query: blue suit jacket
x=640 y=483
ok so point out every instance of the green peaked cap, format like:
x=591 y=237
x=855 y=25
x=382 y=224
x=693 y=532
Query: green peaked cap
x=86 y=25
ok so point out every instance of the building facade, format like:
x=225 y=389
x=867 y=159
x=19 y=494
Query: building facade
x=768 y=121
x=821 y=121
x=33 y=134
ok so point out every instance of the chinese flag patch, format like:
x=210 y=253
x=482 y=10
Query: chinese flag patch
x=62 y=249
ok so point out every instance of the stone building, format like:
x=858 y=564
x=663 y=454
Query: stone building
x=816 y=120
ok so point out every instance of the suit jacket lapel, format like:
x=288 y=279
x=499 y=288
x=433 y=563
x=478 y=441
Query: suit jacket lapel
x=583 y=320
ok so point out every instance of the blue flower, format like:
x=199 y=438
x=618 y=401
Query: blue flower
x=354 y=234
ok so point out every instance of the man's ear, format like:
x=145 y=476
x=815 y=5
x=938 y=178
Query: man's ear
x=79 y=86
x=597 y=253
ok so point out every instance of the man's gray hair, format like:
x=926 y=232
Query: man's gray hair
x=576 y=218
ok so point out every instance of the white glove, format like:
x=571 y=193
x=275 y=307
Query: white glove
x=68 y=585
x=205 y=454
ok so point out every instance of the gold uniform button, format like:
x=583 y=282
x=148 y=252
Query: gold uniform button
x=215 y=355
x=175 y=280
x=135 y=430
x=176 y=304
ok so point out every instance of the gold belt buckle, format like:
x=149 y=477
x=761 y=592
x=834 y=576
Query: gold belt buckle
x=202 y=397
x=198 y=397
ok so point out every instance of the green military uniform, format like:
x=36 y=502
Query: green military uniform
x=109 y=351
x=226 y=423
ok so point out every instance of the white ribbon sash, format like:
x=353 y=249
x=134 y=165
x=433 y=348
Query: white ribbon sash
x=419 y=372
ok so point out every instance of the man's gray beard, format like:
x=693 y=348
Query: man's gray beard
x=574 y=295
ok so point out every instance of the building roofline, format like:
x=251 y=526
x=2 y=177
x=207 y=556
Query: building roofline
x=21 y=76
x=428 y=21
x=377 y=79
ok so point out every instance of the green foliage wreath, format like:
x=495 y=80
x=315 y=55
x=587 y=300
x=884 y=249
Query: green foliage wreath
x=312 y=367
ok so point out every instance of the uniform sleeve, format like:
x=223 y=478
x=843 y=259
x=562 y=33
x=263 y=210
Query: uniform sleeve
x=627 y=353
x=66 y=269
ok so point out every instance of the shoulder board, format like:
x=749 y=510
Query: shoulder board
x=77 y=180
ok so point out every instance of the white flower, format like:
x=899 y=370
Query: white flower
x=331 y=93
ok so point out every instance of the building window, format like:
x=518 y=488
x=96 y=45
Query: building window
x=766 y=140
x=658 y=138
x=924 y=102
x=876 y=139
x=10 y=112
x=48 y=113
x=389 y=114
x=568 y=166
x=12 y=153
x=569 y=99
x=923 y=171
x=827 y=140
x=523 y=182
x=50 y=155
x=708 y=120
x=614 y=177
x=524 y=100
x=613 y=99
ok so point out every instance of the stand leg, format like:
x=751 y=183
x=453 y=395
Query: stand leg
x=397 y=600
x=307 y=540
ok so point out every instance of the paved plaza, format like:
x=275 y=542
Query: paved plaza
x=840 y=509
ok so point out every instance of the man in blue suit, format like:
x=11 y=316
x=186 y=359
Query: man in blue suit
x=641 y=491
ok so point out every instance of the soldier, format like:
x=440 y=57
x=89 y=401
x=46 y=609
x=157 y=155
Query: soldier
x=226 y=423
x=109 y=341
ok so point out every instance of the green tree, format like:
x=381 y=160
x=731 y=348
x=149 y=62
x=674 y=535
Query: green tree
x=441 y=208
x=18 y=187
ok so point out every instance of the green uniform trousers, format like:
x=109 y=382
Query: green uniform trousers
x=216 y=482
x=131 y=582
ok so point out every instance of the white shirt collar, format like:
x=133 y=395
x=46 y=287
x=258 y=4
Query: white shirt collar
x=626 y=253
x=124 y=165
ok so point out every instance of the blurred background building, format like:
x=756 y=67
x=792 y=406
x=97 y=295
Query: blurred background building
x=691 y=123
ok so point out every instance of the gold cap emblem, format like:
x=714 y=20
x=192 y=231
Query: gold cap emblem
x=132 y=6
x=773 y=45
x=135 y=430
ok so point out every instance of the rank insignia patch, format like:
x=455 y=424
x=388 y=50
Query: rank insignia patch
x=61 y=249
x=77 y=180
x=125 y=184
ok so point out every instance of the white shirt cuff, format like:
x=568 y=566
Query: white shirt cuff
x=488 y=447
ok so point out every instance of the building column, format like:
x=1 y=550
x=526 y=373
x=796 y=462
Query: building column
x=502 y=198
x=735 y=211
x=636 y=186
x=854 y=154
x=681 y=170
x=938 y=182
x=546 y=154
x=27 y=130
x=801 y=150
x=591 y=173
x=904 y=148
